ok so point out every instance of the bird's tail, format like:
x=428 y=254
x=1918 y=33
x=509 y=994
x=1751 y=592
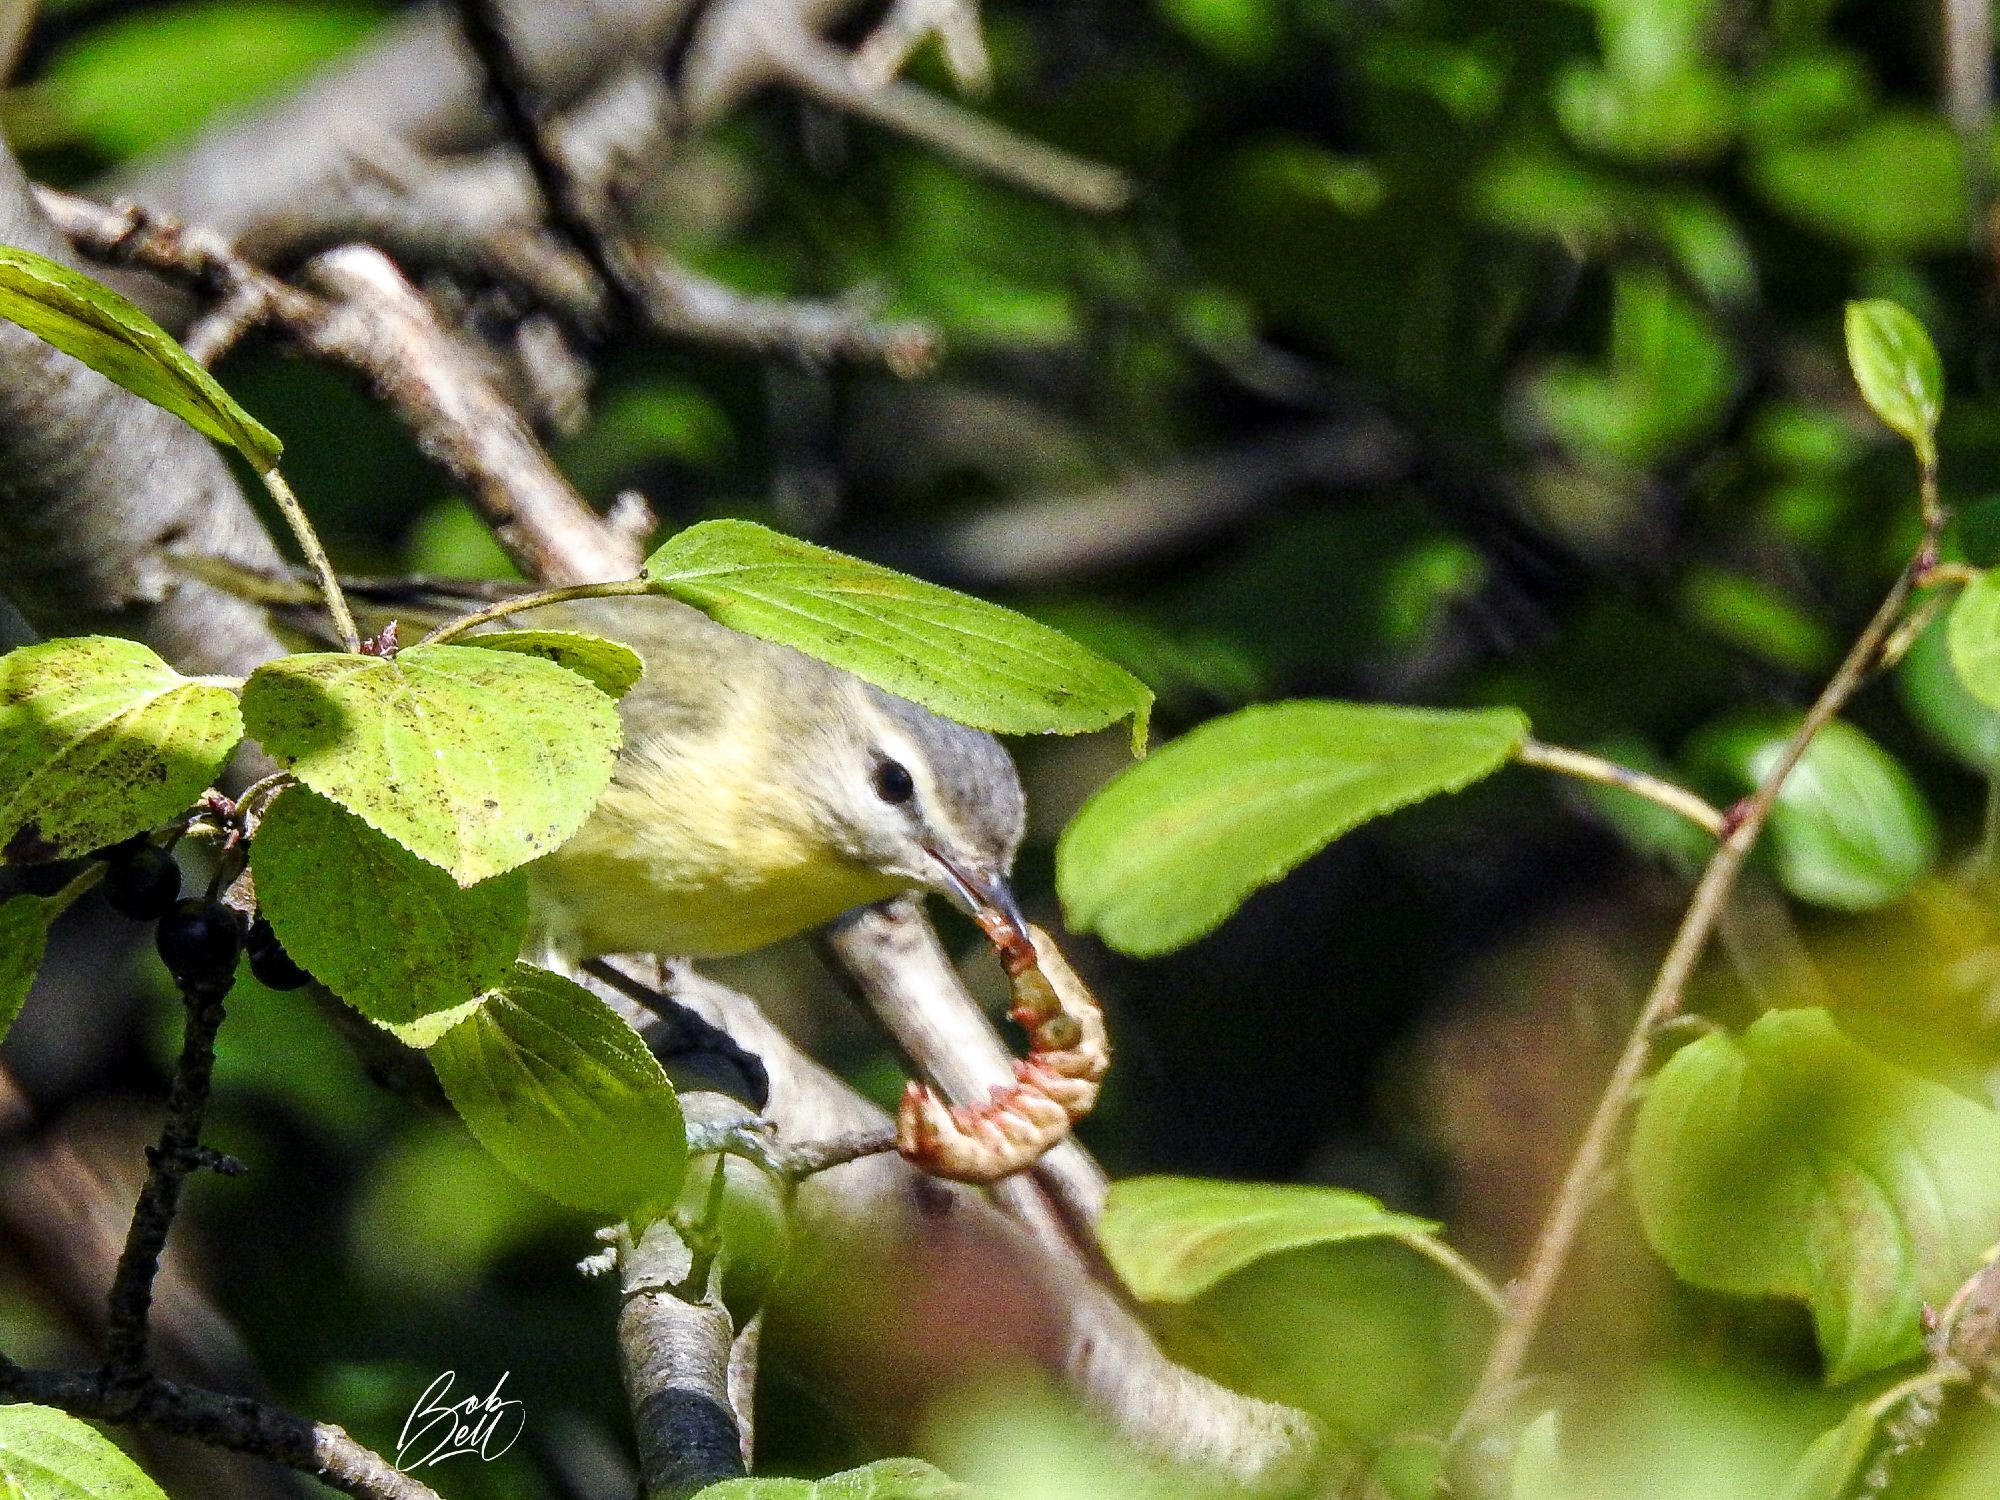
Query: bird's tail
x=293 y=599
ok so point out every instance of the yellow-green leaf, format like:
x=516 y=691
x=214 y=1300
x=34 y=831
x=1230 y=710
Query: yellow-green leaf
x=100 y=739
x=565 y=1095
x=956 y=655
x=475 y=760
x=392 y=935
x=47 y=1454
x=87 y=320
x=612 y=665
x=1897 y=368
x=1792 y=1162
x=1174 y=844
x=1172 y=1238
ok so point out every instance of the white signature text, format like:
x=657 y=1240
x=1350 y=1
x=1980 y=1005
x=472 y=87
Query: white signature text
x=485 y=1425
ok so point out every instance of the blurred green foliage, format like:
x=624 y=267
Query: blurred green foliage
x=1575 y=275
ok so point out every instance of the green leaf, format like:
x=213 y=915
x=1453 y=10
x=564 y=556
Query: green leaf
x=393 y=936
x=1536 y=1471
x=1172 y=846
x=891 y=1479
x=1850 y=829
x=90 y=322
x=1973 y=636
x=1893 y=187
x=1172 y=1238
x=475 y=760
x=1934 y=692
x=1897 y=368
x=100 y=739
x=1829 y=1467
x=1791 y=1162
x=50 y=1455
x=24 y=932
x=959 y=656
x=612 y=666
x=565 y=1095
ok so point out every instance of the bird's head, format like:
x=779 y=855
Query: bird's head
x=923 y=800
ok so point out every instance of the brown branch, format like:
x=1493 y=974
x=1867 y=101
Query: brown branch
x=911 y=23
x=370 y=321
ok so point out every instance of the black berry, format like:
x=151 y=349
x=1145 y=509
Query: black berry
x=142 y=882
x=199 y=940
x=272 y=966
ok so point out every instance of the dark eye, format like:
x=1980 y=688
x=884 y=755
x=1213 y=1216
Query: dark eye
x=892 y=781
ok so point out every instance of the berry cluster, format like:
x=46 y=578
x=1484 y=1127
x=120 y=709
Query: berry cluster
x=199 y=938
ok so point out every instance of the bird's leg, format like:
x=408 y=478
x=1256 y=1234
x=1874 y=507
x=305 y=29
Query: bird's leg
x=1055 y=1085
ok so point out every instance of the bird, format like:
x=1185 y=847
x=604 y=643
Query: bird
x=759 y=792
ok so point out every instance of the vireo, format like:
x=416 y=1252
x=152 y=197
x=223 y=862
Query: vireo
x=759 y=792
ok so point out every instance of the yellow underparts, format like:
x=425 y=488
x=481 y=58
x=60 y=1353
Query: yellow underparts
x=699 y=855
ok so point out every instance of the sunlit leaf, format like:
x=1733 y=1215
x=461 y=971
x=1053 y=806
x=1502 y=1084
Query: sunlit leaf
x=24 y=931
x=565 y=1095
x=50 y=1455
x=99 y=740
x=1897 y=368
x=1791 y=1162
x=1172 y=846
x=611 y=665
x=1829 y=1467
x=475 y=760
x=891 y=1479
x=395 y=937
x=1172 y=1238
x=89 y=321
x=959 y=656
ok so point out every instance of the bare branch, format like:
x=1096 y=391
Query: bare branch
x=582 y=216
x=96 y=484
x=674 y=1342
x=1030 y=1295
x=372 y=322
x=911 y=23
x=232 y=1422
x=825 y=72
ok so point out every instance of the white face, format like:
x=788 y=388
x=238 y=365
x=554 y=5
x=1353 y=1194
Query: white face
x=897 y=814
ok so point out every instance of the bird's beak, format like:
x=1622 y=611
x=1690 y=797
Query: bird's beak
x=981 y=889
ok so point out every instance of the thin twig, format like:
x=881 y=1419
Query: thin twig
x=1587 y=767
x=825 y=72
x=1529 y=1298
x=169 y=1164
x=232 y=1422
x=619 y=588
x=316 y=558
